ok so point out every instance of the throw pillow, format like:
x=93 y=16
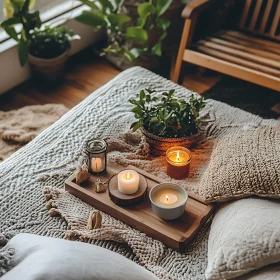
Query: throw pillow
x=244 y=164
x=37 y=257
x=244 y=236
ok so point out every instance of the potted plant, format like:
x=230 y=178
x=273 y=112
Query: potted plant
x=130 y=40
x=167 y=121
x=47 y=49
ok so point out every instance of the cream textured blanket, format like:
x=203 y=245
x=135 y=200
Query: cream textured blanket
x=19 y=127
x=51 y=157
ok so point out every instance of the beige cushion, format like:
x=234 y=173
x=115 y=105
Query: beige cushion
x=243 y=164
x=244 y=236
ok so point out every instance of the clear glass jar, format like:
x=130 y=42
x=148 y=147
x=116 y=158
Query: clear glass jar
x=97 y=160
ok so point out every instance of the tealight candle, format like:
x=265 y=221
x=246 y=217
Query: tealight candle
x=128 y=181
x=168 y=200
x=178 y=162
x=97 y=165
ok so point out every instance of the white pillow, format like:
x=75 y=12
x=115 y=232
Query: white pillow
x=270 y=272
x=244 y=236
x=38 y=257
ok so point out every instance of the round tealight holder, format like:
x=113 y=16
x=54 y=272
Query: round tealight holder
x=168 y=200
x=178 y=162
x=96 y=149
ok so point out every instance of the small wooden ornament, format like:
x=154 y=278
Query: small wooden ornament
x=82 y=176
x=94 y=220
x=127 y=199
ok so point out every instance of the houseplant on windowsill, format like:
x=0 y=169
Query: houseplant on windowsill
x=167 y=121
x=130 y=41
x=47 y=49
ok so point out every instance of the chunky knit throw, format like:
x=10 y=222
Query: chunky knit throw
x=19 y=127
x=52 y=156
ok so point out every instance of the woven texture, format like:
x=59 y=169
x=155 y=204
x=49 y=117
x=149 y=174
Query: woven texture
x=19 y=127
x=51 y=157
x=244 y=236
x=243 y=164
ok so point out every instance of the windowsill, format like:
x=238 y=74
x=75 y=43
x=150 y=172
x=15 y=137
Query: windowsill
x=12 y=74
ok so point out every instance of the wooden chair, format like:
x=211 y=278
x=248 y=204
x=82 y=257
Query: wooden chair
x=251 y=51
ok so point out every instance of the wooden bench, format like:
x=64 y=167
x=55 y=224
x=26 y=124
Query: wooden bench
x=251 y=51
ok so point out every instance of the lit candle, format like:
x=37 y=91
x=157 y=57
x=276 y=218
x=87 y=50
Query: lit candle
x=168 y=200
x=97 y=165
x=178 y=162
x=128 y=181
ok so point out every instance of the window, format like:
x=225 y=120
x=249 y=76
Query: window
x=49 y=9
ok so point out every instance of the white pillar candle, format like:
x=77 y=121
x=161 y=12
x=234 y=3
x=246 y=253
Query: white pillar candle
x=128 y=181
x=97 y=165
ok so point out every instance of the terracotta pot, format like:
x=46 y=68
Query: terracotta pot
x=159 y=145
x=49 y=70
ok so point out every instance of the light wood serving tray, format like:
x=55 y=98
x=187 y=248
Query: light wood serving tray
x=176 y=234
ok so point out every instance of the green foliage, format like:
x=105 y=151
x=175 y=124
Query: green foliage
x=166 y=116
x=50 y=42
x=46 y=43
x=18 y=12
x=125 y=37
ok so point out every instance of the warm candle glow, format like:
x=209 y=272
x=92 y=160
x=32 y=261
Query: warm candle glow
x=178 y=156
x=128 y=181
x=168 y=198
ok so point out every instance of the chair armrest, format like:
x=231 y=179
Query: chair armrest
x=195 y=7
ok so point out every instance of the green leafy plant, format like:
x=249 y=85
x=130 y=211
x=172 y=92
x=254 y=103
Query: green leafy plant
x=126 y=38
x=17 y=12
x=166 y=116
x=50 y=42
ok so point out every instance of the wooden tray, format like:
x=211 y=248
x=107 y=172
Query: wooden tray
x=176 y=234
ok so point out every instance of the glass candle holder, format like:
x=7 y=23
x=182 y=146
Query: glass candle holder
x=178 y=162
x=97 y=161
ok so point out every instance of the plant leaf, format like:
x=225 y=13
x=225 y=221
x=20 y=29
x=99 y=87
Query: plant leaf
x=145 y=9
x=163 y=23
x=90 y=4
x=137 y=34
x=10 y=22
x=106 y=4
x=11 y=32
x=118 y=20
x=135 y=126
x=157 y=49
x=162 y=6
x=92 y=18
x=22 y=50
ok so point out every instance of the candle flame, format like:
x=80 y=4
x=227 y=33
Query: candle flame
x=178 y=156
x=166 y=197
x=127 y=175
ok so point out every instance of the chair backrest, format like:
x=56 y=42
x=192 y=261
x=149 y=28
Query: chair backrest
x=261 y=17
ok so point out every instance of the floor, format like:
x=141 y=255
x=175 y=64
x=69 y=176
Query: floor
x=85 y=72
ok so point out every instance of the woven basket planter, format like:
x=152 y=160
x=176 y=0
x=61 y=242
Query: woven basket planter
x=159 y=145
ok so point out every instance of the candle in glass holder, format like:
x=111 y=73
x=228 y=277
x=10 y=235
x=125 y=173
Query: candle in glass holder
x=128 y=181
x=96 y=149
x=178 y=162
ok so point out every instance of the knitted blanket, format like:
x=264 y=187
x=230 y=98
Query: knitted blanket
x=51 y=157
x=19 y=127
